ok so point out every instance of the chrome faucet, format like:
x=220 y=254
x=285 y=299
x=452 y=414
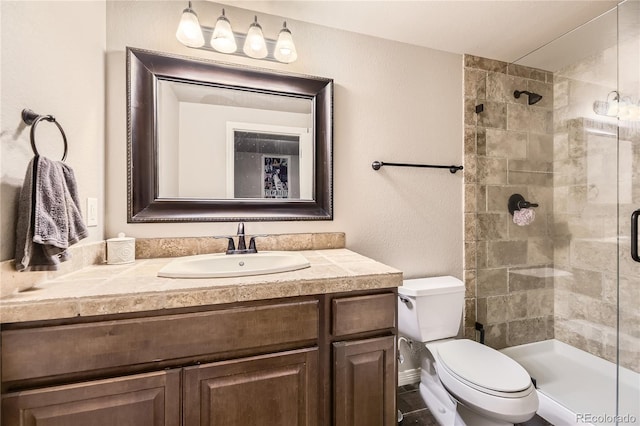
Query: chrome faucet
x=242 y=244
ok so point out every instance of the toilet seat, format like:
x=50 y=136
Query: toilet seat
x=512 y=401
x=484 y=369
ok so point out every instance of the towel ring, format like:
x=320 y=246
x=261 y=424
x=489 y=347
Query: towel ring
x=32 y=119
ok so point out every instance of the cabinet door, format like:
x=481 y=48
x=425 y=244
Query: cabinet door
x=151 y=399
x=271 y=390
x=365 y=382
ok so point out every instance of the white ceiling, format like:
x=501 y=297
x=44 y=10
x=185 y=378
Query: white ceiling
x=504 y=30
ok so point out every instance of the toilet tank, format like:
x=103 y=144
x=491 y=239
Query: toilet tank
x=430 y=308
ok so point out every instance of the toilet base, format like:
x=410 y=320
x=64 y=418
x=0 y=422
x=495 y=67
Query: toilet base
x=449 y=412
x=472 y=418
x=443 y=406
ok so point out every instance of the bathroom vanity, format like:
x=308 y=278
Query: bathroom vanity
x=309 y=347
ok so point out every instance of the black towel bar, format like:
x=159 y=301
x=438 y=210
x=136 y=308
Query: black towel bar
x=32 y=119
x=377 y=164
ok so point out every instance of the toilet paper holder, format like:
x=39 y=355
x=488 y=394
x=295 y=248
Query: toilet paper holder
x=517 y=202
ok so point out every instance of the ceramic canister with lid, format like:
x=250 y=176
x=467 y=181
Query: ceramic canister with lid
x=121 y=250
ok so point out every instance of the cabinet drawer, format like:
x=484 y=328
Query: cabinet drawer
x=351 y=315
x=66 y=349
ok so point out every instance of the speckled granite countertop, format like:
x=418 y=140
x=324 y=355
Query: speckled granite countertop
x=113 y=289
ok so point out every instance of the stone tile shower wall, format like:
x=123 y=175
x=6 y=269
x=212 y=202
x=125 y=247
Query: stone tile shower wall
x=508 y=149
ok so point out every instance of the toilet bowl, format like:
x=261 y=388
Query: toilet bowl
x=463 y=382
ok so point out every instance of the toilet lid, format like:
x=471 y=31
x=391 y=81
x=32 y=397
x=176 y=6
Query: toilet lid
x=483 y=366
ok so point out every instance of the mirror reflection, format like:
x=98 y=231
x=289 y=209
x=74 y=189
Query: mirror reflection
x=225 y=143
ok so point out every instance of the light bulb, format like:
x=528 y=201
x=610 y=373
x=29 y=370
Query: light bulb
x=189 y=32
x=222 y=38
x=285 y=48
x=254 y=44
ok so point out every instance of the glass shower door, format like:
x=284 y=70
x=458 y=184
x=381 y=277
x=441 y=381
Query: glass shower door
x=596 y=190
x=628 y=411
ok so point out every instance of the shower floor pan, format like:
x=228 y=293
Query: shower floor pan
x=576 y=387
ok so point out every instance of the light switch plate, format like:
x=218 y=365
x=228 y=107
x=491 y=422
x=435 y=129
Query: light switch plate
x=92 y=212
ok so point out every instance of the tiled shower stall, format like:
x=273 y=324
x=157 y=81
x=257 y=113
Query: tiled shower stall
x=558 y=277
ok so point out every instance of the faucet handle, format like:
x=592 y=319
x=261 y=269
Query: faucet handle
x=252 y=242
x=231 y=246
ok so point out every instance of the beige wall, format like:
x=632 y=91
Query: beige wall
x=393 y=102
x=53 y=63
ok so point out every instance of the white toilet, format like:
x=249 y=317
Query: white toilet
x=464 y=383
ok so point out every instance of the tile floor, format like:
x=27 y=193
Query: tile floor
x=416 y=412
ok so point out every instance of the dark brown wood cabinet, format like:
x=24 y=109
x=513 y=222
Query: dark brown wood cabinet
x=364 y=382
x=270 y=390
x=300 y=361
x=151 y=399
x=363 y=352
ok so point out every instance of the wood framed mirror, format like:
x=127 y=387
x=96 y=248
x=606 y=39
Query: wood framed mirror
x=209 y=141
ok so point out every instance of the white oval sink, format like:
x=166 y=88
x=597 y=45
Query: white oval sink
x=233 y=265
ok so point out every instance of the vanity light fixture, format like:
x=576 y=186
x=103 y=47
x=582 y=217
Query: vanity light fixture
x=189 y=31
x=609 y=107
x=285 y=49
x=224 y=40
x=617 y=106
x=254 y=44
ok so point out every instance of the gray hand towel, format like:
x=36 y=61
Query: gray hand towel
x=49 y=218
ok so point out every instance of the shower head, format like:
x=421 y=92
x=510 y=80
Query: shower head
x=533 y=97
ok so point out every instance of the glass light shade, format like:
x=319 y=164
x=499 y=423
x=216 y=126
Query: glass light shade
x=285 y=48
x=613 y=102
x=614 y=109
x=601 y=107
x=222 y=38
x=189 y=32
x=254 y=44
x=635 y=115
